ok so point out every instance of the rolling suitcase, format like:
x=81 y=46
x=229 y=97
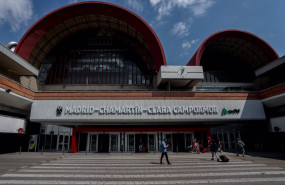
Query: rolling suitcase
x=224 y=158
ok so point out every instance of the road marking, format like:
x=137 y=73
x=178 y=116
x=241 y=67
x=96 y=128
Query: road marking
x=145 y=176
x=204 y=181
x=142 y=167
x=137 y=163
x=140 y=164
x=144 y=171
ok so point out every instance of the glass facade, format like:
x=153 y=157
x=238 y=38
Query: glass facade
x=84 y=60
x=226 y=75
x=95 y=67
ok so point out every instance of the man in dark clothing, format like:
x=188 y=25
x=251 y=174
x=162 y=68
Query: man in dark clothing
x=214 y=149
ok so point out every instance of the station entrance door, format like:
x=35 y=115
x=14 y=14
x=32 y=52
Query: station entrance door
x=228 y=139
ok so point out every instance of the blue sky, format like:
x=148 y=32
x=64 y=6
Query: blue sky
x=181 y=25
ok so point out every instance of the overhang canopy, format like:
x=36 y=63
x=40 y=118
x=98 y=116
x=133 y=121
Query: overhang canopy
x=273 y=65
x=12 y=100
x=15 y=64
x=274 y=101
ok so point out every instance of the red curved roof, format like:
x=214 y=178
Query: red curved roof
x=49 y=21
x=270 y=53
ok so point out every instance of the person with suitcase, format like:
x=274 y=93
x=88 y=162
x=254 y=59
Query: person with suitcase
x=220 y=147
x=214 y=149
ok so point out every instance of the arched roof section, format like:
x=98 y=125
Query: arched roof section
x=49 y=30
x=247 y=46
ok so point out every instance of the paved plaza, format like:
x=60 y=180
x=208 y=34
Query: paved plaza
x=127 y=168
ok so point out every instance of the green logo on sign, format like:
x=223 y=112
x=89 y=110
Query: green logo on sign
x=224 y=111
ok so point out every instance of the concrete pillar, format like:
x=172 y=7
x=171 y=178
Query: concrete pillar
x=30 y=82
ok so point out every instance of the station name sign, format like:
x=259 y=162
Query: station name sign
x=144 y=110
x=136 y=110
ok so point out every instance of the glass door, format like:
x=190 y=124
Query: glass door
x=63 y=143
x=151 y=142
x=131 y=143
x=141 y=142
x=114 y=142
x=233 y=137
x=189 y=137
x=93 y=143
x=228 y=139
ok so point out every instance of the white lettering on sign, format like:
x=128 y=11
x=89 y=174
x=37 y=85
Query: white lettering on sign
x=80 y=110
x=195 y=110
x=158 y=110
x=132 y=110
x=139 y=110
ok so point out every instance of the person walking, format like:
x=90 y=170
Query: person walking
x=220 y=146
x=164 y=147
x=214 y=149
x=194 y=146
x=240 y=147
x=197 y=147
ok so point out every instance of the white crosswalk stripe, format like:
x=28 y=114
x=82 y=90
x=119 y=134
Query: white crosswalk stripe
x=144 y=171
x=144 y=167
x=140 y=169
x=147 y=176
x=210 y=181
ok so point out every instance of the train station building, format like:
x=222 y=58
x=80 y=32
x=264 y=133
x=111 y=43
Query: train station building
x=93 y=77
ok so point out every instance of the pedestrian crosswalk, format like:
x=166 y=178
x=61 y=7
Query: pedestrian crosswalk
x=144 y=169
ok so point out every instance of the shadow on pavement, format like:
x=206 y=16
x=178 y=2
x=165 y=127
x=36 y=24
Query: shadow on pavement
x=155 y=163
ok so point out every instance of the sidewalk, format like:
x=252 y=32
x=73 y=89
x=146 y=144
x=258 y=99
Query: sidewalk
x=14 y=161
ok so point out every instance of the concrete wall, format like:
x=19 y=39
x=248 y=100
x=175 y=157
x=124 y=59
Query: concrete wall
x=11 y=125
x=278 y=122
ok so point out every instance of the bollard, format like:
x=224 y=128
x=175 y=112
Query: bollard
x=20 y=152
x=177 y=149
x=42 y=150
